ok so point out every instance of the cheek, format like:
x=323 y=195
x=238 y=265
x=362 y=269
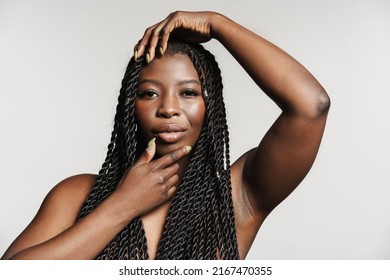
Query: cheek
x=196 y=115
x=142 y=115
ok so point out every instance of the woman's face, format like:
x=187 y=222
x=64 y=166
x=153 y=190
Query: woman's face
x=169 y=103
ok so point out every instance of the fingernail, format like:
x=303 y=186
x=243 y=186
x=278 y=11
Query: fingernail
x=161 y=51
x=150 y=143
x=135 y=55
x=136 y=52
x=147 y=58
x=189 y=148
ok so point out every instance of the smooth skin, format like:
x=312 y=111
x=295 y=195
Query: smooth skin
x=261 y=178
x=170 y=99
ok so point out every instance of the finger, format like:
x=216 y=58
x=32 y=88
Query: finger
x=163 y=42
x=153 y=41
x=172 y=157
x=171 y=186
x=144 y=41
x=171 y=181
x=166 y=31
x=171 y=192
x=147 y=44
x=148 y=154
x=171 y=170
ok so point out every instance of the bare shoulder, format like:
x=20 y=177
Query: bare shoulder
x=73 y=190
x=58 y=212
x=63 y=203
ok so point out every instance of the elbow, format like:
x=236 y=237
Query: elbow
x=323 y=103
x=317 y=106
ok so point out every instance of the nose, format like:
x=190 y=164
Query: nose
x=169 y=106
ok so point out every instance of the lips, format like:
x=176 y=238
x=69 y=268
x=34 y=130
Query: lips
x=170 y=133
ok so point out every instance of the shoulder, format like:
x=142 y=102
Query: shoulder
x=62 y=205
x=72 y=191
x=59 y=211
x=80 y=183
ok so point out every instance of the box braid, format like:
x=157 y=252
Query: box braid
x=200 y=222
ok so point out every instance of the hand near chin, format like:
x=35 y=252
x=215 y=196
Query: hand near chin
x=195 y=27
x=149 y=183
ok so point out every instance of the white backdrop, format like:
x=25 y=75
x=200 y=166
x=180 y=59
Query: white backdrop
x=61 y=64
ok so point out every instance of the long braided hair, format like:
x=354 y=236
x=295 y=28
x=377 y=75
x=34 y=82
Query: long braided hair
x=200 y=222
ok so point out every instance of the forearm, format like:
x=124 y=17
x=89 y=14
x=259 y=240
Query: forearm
x=83 y=240
x=55 y=232
x=279 y=75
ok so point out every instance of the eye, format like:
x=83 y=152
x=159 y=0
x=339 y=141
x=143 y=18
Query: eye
x=189 y=93
x=147 y=94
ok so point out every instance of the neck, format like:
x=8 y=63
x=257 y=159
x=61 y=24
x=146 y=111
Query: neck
x=183 y=165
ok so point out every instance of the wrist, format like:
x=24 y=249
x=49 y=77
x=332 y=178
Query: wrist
x=217 y=22
x=117 y=211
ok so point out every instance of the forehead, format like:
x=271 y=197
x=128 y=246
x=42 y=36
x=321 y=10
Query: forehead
x=169 y=68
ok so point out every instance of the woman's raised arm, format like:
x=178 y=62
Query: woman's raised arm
x=270 y=172
x=285 y=155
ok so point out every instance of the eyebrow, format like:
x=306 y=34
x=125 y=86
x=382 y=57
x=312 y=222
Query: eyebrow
x=191 y=81
x=182 y=82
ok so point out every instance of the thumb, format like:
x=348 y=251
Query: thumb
x=148 y=154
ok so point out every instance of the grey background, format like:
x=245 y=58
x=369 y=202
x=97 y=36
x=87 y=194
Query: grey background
x=61 y=64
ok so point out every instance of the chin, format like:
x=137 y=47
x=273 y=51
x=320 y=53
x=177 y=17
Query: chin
x=165 y=148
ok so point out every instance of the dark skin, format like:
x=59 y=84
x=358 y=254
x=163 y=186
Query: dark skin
x=261 y=178
x=170 y=105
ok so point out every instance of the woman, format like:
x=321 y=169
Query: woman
x=180 y=198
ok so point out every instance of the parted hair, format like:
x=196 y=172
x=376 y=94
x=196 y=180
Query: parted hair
x=200 y=222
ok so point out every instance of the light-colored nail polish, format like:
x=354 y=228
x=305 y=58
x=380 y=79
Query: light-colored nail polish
x=189 y=148
x=161 y=51
x=147 y=57
x=150 y=143
x=135 y=55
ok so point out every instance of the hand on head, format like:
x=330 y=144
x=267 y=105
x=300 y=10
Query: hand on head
x=194 y=27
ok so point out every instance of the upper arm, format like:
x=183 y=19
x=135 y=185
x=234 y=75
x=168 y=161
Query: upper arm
x=58 y=211
x=283 y=158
